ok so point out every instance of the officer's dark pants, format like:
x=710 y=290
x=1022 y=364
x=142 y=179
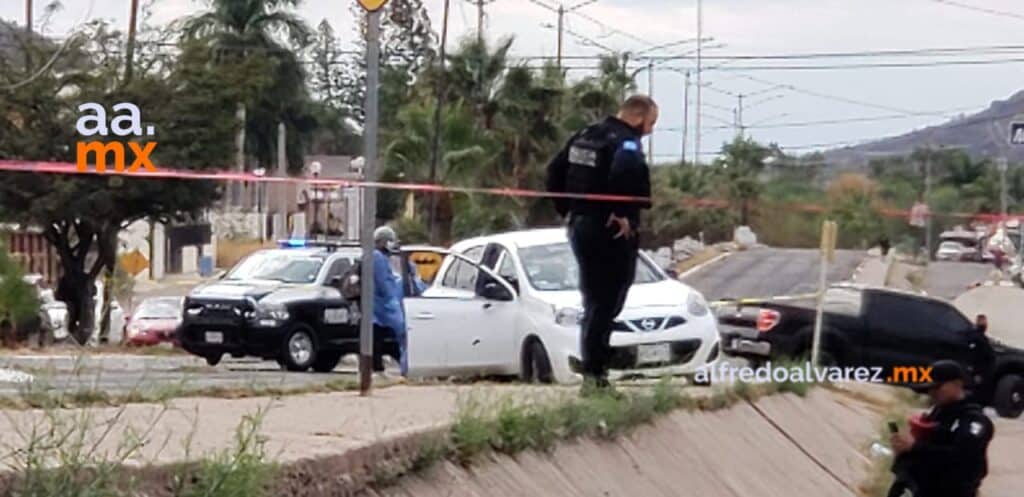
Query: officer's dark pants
x=607 y=268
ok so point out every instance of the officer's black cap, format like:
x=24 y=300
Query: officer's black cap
x=945 y=371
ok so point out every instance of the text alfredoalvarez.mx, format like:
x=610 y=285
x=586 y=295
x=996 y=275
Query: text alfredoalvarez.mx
x=93 y=122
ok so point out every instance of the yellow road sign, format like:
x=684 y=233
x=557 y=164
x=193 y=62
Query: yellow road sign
x=372 y=5
x=134 y=262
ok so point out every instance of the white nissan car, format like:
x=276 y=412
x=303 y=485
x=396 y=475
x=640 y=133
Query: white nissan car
x=510 y=305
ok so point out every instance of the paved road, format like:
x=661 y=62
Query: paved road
x=767 y=272
x=948 y=280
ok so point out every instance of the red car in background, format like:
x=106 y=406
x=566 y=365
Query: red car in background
x=155 y=321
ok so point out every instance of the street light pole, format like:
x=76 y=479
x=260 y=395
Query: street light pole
x=369 y=202
x=927 y=202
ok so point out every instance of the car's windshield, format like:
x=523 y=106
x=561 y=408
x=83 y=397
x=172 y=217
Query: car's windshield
x=553 y=268
x=157 y=310
x=279 y=266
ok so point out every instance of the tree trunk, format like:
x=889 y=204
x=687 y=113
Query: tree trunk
x=76 y=289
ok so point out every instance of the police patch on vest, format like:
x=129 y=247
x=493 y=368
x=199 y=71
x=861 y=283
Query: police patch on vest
x=582 y=156
x=977 y=429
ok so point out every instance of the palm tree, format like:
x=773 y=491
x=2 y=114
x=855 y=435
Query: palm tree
x=467 y=160
x=474 y=74
x=244 y=30
x=240 y=28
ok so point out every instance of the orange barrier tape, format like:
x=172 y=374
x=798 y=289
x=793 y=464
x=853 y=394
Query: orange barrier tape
x=165 y=173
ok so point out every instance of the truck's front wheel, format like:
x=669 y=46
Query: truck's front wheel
x=1009 y=397
x=299 y=349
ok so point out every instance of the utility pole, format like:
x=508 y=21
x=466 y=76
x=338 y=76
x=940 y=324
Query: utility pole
x=129 y=57
x=650 y=93
x=739 y=116
x=927 y=202
x=1003 y=165
x=700 y=83
x=561 y=31
x=29 y=30
x=686 y=113
x=480 y=21
x=435 y=150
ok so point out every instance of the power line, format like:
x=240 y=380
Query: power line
x=984 y=10
x=836 y=98
x=913 y=52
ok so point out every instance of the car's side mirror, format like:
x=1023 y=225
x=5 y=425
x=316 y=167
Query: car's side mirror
x=496 y=291
x=335 y=281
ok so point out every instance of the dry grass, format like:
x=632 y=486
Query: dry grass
x=229 y=252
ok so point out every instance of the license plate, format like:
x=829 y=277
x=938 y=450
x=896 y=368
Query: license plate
x=653 y=354
x=214 y=337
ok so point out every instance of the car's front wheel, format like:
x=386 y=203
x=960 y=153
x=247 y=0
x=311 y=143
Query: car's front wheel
x=299 y=349
x=1009 y=397
x=213 y=359
x=536 y=366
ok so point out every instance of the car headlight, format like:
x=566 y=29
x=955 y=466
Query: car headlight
x=270 y=314
x=568 y=317
x=696 y=305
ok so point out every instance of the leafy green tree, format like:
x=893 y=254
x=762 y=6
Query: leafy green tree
x=81 y=216
x=742 y=163
x=18 y=301
x=407 y=47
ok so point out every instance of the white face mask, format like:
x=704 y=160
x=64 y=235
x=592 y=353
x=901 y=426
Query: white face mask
x=392 y=246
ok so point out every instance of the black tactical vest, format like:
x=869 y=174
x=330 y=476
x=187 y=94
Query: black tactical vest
x=590 y=160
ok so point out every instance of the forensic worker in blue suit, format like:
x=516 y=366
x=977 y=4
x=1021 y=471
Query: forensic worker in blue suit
x=605 y=158
x=388 y=312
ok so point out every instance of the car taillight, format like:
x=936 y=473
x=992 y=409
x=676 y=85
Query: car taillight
x=767 y=319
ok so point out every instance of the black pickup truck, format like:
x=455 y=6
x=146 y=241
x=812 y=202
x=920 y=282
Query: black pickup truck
x=878 y=328
x=279 y=304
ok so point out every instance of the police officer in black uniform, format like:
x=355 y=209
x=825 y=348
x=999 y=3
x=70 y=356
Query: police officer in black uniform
x=604 y=158
x=950 y=459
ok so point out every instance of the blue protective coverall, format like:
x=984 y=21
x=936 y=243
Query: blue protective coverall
x=388 y=311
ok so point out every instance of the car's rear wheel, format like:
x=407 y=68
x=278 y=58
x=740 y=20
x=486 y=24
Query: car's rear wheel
x=213 y=359
x=1009 y=397
x=299 y=349
x=536 y=363
x=326 y=362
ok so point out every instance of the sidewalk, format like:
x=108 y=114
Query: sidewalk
x=296 y=427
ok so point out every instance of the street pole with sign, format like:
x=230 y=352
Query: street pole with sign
x=1003 y=165
x=369 y=194
x=829 y=231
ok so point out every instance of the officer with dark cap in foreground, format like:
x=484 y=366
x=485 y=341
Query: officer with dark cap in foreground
x=945 y=453
x=604 y=158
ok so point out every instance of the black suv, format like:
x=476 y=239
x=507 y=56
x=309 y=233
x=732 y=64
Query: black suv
x=278 y=304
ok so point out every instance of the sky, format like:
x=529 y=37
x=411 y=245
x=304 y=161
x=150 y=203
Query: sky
x=775 y=100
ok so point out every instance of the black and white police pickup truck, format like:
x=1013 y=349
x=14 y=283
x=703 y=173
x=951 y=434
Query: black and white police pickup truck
x=879 y=328
x=281 y=304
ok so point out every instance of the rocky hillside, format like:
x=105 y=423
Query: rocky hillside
x=984 y=134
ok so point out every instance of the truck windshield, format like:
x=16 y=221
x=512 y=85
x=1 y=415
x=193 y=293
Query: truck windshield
x=286 y=268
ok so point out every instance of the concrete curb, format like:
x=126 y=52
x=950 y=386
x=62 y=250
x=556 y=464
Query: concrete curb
x=698 y=267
